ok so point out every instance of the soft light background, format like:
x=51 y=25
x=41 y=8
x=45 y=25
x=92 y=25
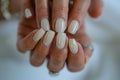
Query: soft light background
x=103 y=65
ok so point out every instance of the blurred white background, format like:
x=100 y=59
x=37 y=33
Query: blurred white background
x=103 y=65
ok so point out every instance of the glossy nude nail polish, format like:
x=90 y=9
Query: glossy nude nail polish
x=61 y=40
x=73 y=46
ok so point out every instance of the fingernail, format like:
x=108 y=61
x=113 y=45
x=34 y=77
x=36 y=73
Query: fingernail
x=73 y=46
x=45 y=24
x=61 y=39
x=38 y=35
x=28 y=13
x=73 y=27
x=60 y=25
x=48 y=38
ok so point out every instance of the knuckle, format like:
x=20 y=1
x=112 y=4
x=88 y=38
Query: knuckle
x=56 y=62
x=34 y=63
x=59 y=10
x=36 y=59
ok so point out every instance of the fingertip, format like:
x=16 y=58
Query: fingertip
x=95 y=13
x=96 y=8
x=35 y=63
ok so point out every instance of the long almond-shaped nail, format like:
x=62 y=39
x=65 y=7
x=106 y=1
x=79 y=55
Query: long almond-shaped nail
x=45 y=24
x=73 y=46
x=61 y=39
x=40 y=33
x=28 y=13
x=48 y=38
x=60 y=25
x=74 y=25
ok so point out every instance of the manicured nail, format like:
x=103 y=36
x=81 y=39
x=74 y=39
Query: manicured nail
x=74 y=25
x=40 y=33
x=73 y=46
x=48 y=38
x=60 y=25
x=28 y=13
x=45 y=24
x=61 y=39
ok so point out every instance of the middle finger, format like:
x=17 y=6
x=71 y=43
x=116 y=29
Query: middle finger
x=59 y=15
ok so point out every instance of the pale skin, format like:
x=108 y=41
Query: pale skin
x=60 y=9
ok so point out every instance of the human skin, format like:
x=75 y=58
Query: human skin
x=95 y=9
x=28 y=27
x=14 y=7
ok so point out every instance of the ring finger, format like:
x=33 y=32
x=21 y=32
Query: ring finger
x=77 y=14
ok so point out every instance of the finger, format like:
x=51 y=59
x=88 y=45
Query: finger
x=77 y=15
x=28 y=42
x=88 y=54
x=59 y=15
x=82 y=38
x=28 y=15
x=75 y=61
x=86 y=42
x=58 y=53
x=28 y=9
x=28 y=34
x=96 y=8
x=42 y=13
x=42 y=48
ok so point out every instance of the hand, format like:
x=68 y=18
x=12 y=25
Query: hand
x=37 y=35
